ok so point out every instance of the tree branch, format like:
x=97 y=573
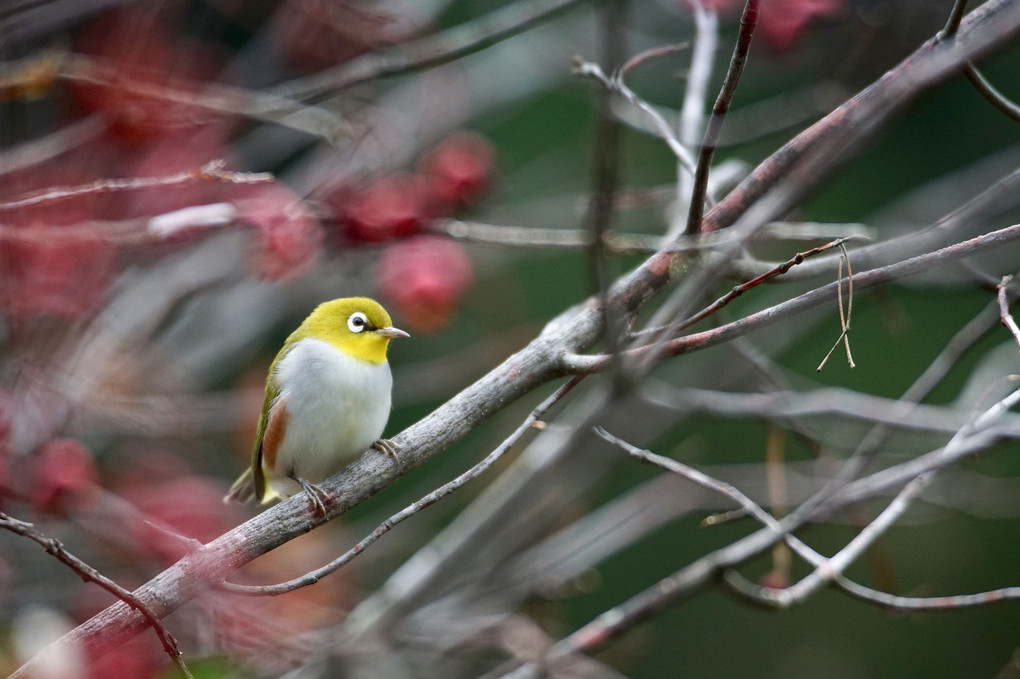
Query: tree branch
x=433 y=50
x=90 y=574
x=748 y=20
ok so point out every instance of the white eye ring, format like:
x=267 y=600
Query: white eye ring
x=357 y=322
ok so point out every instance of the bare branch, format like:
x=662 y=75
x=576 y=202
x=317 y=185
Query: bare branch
x=953 y=22
x=212 y=171
x=1004 y=315
x=578 y=364
x=706 y=27
x=823 y=403
x=616 y=84
x=217 y=98
x=989 y=92
x=427 y=52
x=844 y=317
x=748 y=20
x=90 y=574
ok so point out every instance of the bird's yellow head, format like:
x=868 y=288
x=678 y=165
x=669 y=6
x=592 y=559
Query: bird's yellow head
x=358 y=326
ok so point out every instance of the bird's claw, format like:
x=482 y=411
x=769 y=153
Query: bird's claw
x=388 y=447
x=317 y=497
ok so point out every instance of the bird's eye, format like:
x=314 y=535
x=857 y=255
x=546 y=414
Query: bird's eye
x=357 y=322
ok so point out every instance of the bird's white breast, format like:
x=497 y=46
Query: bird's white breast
x=337 y=406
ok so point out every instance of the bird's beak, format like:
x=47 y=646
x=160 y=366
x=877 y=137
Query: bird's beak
x=391 y=332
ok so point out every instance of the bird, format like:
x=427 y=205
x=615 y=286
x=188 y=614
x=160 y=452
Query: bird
x=328 y=397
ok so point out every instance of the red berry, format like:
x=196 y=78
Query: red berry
x=133 y=659
x=138 y=59
x=191 y=506
x=459 y=169
x=65 y=477
x=395 y=206
x=289 y=234
x=775 y=579
x=424 y=279
x=782 y=22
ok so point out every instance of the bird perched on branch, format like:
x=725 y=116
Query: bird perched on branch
x=327 y=401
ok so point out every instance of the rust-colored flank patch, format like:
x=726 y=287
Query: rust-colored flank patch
x=276 y=429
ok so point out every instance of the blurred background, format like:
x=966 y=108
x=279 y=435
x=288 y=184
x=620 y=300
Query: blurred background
x=182 y=181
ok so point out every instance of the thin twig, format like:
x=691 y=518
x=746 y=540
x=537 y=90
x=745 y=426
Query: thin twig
x=832 y=568
x=696 y=212
x=67 y=138
x=953 y=23
x=976 y=78
x=669 y=590
x=748 y=505
x=618 y=243
x=1004 y=315
x=988 y=91
x=649 y=54
x=90 y=574
x=1003 y=194
x=776 y=271
x=706 y=26
x=662 y=128
x=844 y=317
x=577 y=363
x=775 y=479
x=932 y=603
x=532 y=421
x=428 y=52
x=606 y=178
x=218 y=98
x=737 y=291
x=784 y=598
x=826 y=403
x=758 y=594
x=211 y=171
x=537 y=237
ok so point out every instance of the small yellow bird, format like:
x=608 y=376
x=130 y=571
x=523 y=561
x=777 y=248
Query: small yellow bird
x=327 y=401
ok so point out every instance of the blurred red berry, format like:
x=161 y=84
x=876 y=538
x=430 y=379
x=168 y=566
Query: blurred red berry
x=64 y=476
x=775 y=579
x=781 y=22
x=137 y=60
x=289 y=234
x=424 y=278
x=395 y=206
x=192 y=506
x=459 y=169
x=132 y=659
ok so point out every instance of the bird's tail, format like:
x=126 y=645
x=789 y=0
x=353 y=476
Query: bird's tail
x=243 y=489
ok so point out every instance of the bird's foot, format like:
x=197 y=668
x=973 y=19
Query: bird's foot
x=388 y=447
x=317 y=497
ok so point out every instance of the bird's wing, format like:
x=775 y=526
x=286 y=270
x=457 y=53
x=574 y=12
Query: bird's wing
x=272 y=408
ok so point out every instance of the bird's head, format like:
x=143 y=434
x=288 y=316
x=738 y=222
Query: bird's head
x=358 y=326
